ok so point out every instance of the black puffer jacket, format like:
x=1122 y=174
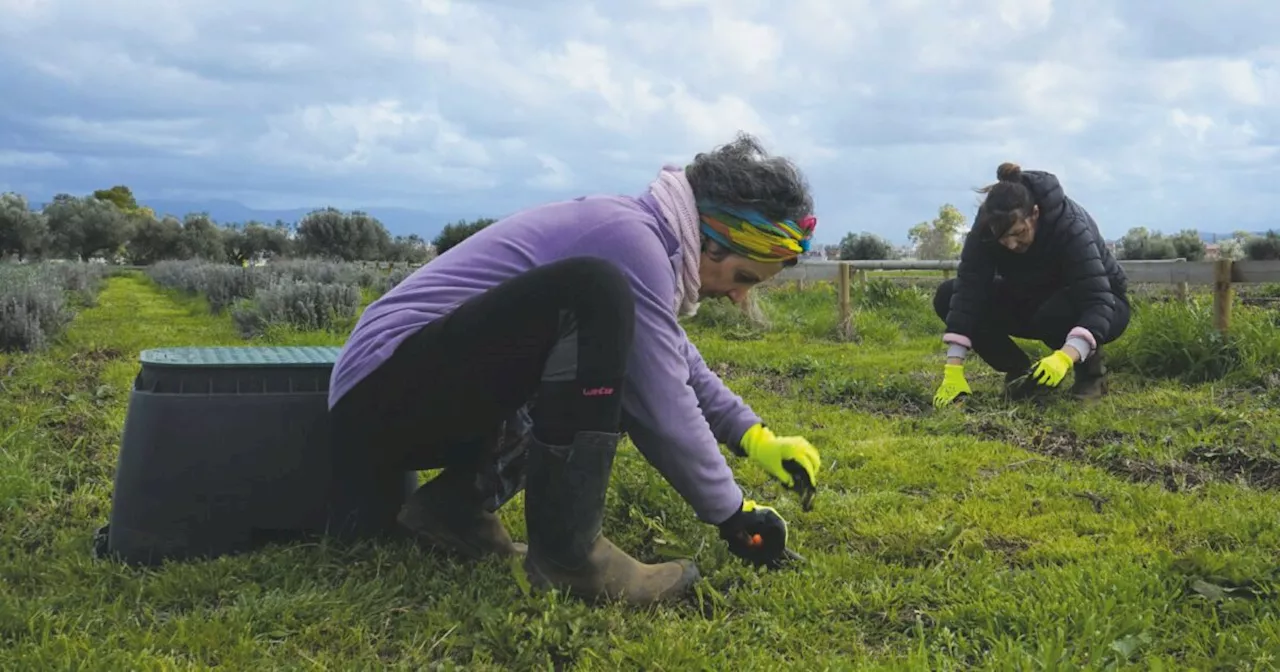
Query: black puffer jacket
x=1068 y=253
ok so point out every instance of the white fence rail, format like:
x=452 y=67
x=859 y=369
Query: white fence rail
x=1220 y=274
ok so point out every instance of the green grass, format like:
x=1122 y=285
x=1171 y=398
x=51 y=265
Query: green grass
x=1138 y=532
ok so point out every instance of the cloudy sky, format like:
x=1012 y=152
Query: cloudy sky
x=1163 y=117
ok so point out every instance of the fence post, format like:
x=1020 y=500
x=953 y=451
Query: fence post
x=1222 y=295
x=846 y=309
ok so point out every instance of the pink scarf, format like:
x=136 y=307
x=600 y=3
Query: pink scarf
x=675 y=199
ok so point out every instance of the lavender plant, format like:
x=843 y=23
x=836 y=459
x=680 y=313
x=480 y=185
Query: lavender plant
x=38 y=301
x=297 y=304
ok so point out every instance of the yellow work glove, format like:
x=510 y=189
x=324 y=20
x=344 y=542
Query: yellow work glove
x=784 y=457
x=1052 y=369
x=953 y=385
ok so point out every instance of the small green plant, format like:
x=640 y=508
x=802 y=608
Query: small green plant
x=724 y=314
x=881 y=293
x=908 y=305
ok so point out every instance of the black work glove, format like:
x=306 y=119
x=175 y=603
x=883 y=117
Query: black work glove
x=757 y=534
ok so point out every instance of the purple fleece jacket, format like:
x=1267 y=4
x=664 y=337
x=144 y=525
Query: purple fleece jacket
x=679 y=409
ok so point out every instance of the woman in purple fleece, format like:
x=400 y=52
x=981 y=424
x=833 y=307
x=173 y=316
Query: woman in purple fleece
x=570 y=310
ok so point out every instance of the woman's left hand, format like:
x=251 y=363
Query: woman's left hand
x=776 y=453
x=1052 y=369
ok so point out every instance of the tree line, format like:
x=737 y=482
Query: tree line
x=941 y=239
x=109 y=223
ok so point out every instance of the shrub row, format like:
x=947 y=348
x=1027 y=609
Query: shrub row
x=302 y=294
x=299 y=304
x=223 y=284
x=38 y=301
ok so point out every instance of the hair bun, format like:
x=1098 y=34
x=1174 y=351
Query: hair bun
x=1009 y=172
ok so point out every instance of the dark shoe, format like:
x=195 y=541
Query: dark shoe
x=447 y=513
x=564 y=511
x=1090 y=378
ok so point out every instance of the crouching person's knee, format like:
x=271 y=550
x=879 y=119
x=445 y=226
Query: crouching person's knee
x=942 y=298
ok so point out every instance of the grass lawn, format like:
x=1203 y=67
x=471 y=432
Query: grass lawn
x=1139 y=532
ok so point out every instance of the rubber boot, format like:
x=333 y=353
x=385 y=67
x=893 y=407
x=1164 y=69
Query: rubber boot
x=447 y=513
x=1090 y=378
x=564 y=511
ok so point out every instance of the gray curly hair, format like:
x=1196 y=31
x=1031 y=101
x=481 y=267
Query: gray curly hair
x=742 y=174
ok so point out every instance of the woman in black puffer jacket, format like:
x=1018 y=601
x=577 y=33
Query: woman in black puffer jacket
x=1033 y=266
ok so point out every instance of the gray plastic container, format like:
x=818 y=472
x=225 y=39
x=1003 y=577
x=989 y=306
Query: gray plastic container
x=228 y=447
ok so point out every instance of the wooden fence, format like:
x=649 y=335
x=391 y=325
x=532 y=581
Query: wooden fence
x=1221 y=275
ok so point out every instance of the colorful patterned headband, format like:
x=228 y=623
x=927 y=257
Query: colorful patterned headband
x=750 y=234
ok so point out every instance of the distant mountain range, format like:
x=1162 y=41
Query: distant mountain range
x=399 y=221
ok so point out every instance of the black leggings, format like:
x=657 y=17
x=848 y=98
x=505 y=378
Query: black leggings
x=1048 y=320
x=559 y=334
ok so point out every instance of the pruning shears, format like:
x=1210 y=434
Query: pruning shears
x=802 y=484
x=788 y=556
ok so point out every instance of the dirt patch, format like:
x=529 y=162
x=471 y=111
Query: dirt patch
x=773 y=382
x=69 y=427
x=909 y=616
x=1005 y=546
x=1062 y=444
x=96 y=355
x=892 y=398
x=1251 y=465
x=1174 y=475
x=1254 y=465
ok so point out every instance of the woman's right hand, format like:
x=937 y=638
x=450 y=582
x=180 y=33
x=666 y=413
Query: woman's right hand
x=953 y=385
x=756 y=534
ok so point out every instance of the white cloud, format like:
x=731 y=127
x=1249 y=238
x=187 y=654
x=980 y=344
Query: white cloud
x=376 y=138
x=1240 y=81
x=1026 y=14
x=1061 y=97
x=556 y=174
x=20 y=160
x=176 y=136
x=892 y=108
x=742 y=45
x=706 y=120
x=1193 y=125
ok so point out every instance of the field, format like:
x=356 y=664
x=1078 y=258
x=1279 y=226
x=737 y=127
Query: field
x=1139 y=532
